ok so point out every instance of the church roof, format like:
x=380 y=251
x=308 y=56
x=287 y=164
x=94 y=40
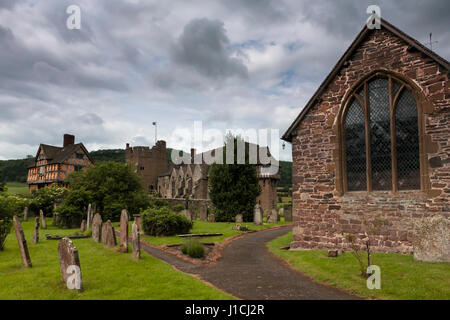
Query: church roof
x=413 y=44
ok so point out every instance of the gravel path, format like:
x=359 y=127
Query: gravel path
x=247 y=270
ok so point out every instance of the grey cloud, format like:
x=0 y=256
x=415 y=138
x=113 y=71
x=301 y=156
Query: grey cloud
x=202 y=46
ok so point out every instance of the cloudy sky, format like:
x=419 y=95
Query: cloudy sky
x=247 y=64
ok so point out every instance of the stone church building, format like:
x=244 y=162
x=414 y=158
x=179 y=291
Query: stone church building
x=371 y=149
x=190 y=180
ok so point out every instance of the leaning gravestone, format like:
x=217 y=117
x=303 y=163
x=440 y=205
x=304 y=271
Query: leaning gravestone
x=43 y=222
x=97 y=227
x=135 y=241
x=89 y=214
x=239 y=218
x=25 y=214
x=26 y=260
x=431 y=239
x=211 y=217
x=203 y=212
x=36 y=230
x=273 y=218
x=288 y=214
x=83 y=226
x=124 y=231
x=69 y=263
x=257 y=215
x=108 y=235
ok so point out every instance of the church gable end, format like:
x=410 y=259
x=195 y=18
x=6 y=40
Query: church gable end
x=325 y=208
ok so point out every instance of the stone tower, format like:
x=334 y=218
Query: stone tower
x=148 y=163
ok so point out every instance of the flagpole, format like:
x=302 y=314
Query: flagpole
x=156 y=131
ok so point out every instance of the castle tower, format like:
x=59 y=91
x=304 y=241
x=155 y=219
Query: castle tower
x=148 y=163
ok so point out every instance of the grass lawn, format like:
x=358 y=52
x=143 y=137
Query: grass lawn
x=17 y=188
x=401 y=276
x=106 y=273
x=207 y=227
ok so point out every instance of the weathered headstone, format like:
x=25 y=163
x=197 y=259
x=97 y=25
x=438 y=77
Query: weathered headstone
x=186 y=213
x=43 y=222
x=135 y=240
x=108 y=235
x=36 y=230
x=333 y=253
x=431 y=239
x=239 y=218
x=211 y=217
x=26 y=260
x=257 y=215
x=267 y=212
x=69 y=263
x=138 y=221
x=124 y=231
x=89 y=214
x=273 y=218
x=83 y=225
x=25 y=214
x=56 y=221
x=281 y=212
x=203 y=212
x=97 y=227
x=193 y=213
x=288 y=214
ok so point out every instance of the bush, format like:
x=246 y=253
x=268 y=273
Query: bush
x=164 y=222
x=178 y=207
x=8 y=206
x=193 y=248
x=43 y=199
x=73 y=208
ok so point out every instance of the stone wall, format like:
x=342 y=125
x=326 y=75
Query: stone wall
x=322 y=212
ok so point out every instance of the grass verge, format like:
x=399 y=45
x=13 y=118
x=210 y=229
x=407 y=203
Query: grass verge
x=401 y=276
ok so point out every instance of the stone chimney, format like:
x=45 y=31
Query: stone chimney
x=192 y=153
x=69 y=140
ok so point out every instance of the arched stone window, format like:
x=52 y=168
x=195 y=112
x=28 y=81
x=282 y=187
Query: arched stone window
x=380 y=136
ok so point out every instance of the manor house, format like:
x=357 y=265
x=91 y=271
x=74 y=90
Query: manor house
x=190 y=180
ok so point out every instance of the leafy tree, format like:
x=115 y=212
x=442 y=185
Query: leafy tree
x=2 y=184
x=73 y=208
x=161 y=221
x=110 y=187
x=9 y=205
x=45 y=198
x=234 y=187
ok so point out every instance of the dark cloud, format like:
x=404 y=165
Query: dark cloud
x=203 y=46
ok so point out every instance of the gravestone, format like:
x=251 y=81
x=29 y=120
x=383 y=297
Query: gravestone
x=124 y=231
x=267 y=212
x=257 y=215
x=288 y=214
x=25 y=214
x=56 y=221
x=97 y=227
x=211 y=217
x=108 y=235
x=273 y=218
x=25 y=254
x=83 y=225
x=36 y=230
x=89 y=216
x=186 y=213
x=138 y=221
x=135 y=240
x=203 y=212
x=431 y=239
x=193 y=213
x=239 y=218
x=43 y=222
x=68 y=257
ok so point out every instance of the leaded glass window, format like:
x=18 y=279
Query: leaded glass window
x=356 y=148
x=381 y=137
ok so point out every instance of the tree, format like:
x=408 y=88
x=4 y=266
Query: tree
x=110 y=187
x=2 y=184
x=234 y=187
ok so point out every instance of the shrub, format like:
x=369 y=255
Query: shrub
x=73 y=208
x=163 y=222
x=43 y=199
x=6 y=214
x=178 y=207
x=193 y=248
